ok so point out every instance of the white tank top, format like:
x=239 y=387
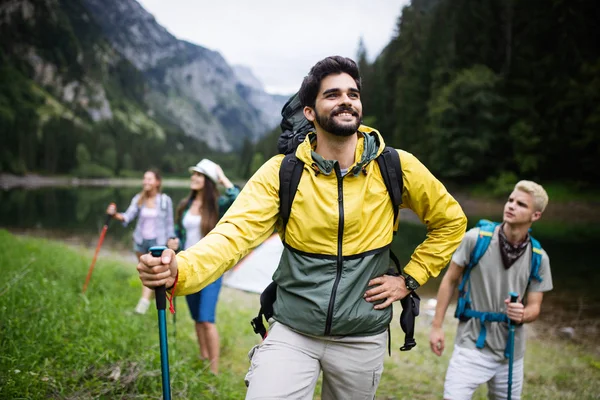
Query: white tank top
x=191 y=223
x=148 y=217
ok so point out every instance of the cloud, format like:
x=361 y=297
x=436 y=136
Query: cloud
x=280 y=40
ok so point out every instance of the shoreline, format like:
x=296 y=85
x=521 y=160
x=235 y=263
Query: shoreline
x=573 y=211
x=35 y=181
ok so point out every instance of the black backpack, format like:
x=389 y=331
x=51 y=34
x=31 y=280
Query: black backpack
x=294 y=128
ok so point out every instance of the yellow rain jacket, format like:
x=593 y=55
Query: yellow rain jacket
x=336 y=240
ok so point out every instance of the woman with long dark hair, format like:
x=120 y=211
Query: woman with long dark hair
x=197 y=215
x=154 y=212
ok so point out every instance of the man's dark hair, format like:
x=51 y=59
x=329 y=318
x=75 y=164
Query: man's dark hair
x=328 y=66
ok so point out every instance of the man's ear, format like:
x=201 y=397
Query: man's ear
x=536 y=215
x=309 y=113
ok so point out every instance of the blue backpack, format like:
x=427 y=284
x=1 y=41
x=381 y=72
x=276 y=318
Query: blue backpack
x=464 y=310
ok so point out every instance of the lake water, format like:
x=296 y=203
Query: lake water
x=76 y=215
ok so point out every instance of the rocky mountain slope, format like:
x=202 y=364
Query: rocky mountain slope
x=109 y=61
x=191 y=84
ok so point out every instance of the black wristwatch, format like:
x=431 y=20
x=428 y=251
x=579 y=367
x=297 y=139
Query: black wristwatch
x=411 y=283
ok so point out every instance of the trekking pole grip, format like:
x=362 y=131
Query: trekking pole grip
x=161 y=297
x=513 y=299
x=108 y=216
x=160 y=291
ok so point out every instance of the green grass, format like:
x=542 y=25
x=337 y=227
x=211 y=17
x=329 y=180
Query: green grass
x=57 y=343
x=553 y=369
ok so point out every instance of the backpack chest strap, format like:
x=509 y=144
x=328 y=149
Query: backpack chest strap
x=484 y=316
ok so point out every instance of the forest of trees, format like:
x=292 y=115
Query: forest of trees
x=490 y=89
x=477 y=90
x=485 y=88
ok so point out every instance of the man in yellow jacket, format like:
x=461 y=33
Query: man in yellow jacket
x=333 y=298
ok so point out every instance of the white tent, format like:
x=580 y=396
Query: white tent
x=255 y=271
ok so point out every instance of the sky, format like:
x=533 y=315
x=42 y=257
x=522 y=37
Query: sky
x=280 y=40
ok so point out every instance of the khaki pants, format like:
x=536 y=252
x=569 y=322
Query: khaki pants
x=287 y=365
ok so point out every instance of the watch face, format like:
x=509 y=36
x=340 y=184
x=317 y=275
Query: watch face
x=411 y=284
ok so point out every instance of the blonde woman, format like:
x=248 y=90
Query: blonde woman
x=154 y=213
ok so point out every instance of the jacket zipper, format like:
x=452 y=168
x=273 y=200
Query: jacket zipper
x=338 y=274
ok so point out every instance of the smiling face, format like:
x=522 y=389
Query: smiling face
x=197 y=181
x=150 y=182
x=338 y=109
x=520 y=209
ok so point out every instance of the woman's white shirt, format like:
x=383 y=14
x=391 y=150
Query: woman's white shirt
x=191 y=223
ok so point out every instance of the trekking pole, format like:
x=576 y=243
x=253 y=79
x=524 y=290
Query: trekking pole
x=511 y=346
x=161 y=305
x=102 y=234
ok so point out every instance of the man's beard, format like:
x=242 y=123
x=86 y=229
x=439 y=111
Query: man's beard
x=329 y=124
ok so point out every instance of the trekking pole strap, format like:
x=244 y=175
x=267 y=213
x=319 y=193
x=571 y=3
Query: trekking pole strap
x=410 y=310
x=258 y=326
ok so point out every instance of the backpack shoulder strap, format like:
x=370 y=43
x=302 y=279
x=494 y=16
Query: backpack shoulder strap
x=163 y=201
x=486 y=231
x=391 y=172
x=536 y=259
x=290 y=173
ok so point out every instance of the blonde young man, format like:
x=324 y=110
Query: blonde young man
x=333 y=298
x=504 y=267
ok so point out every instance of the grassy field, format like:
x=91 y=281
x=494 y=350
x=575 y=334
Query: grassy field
x=57 y=343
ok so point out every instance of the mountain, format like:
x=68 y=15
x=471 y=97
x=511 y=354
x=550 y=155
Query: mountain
x=101 y=85
x=192 y=85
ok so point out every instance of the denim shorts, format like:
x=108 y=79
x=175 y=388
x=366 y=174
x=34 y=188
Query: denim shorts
x=144 y=246
x=203 y=305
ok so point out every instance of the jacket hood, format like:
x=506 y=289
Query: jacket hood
x=370 y=144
